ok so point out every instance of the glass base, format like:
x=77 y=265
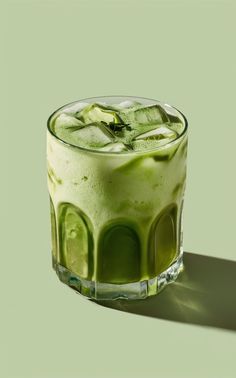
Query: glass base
x=133 y=290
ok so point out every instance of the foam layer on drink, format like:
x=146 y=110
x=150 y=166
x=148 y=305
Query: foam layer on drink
x=129 y=126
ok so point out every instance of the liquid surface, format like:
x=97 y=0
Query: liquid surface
x=125 y=127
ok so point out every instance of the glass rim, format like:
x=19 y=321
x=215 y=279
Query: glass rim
x=130 y=153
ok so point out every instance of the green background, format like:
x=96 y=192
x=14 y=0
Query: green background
x=180 y=52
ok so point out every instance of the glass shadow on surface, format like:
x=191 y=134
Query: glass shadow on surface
x=203 y=294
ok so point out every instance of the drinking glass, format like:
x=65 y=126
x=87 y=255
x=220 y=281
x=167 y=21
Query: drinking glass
x=116 y=218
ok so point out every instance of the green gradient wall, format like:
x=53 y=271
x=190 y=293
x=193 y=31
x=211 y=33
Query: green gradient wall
x=180 y=52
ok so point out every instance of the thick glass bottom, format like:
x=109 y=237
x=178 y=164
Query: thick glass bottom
x=134 y=290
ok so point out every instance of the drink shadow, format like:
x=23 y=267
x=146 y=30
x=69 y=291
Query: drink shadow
x=204 y=294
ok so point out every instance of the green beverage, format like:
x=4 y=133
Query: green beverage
x=116 y=179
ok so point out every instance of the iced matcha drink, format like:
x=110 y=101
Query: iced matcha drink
x=116 y=179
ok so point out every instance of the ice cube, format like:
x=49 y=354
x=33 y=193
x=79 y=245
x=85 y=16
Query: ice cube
x=172 y=114
x=148 y=144
x=141 y=128
x=114 y=147
x=64 y=124
x=98 y=113
x=161 y=132
x=177 y=127
x=92 y=136
x=153 y=138
x=128 y=104
x=66 y=120
x=74 y=108
x=145 y=114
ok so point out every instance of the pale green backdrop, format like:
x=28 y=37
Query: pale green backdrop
x=180 y=52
